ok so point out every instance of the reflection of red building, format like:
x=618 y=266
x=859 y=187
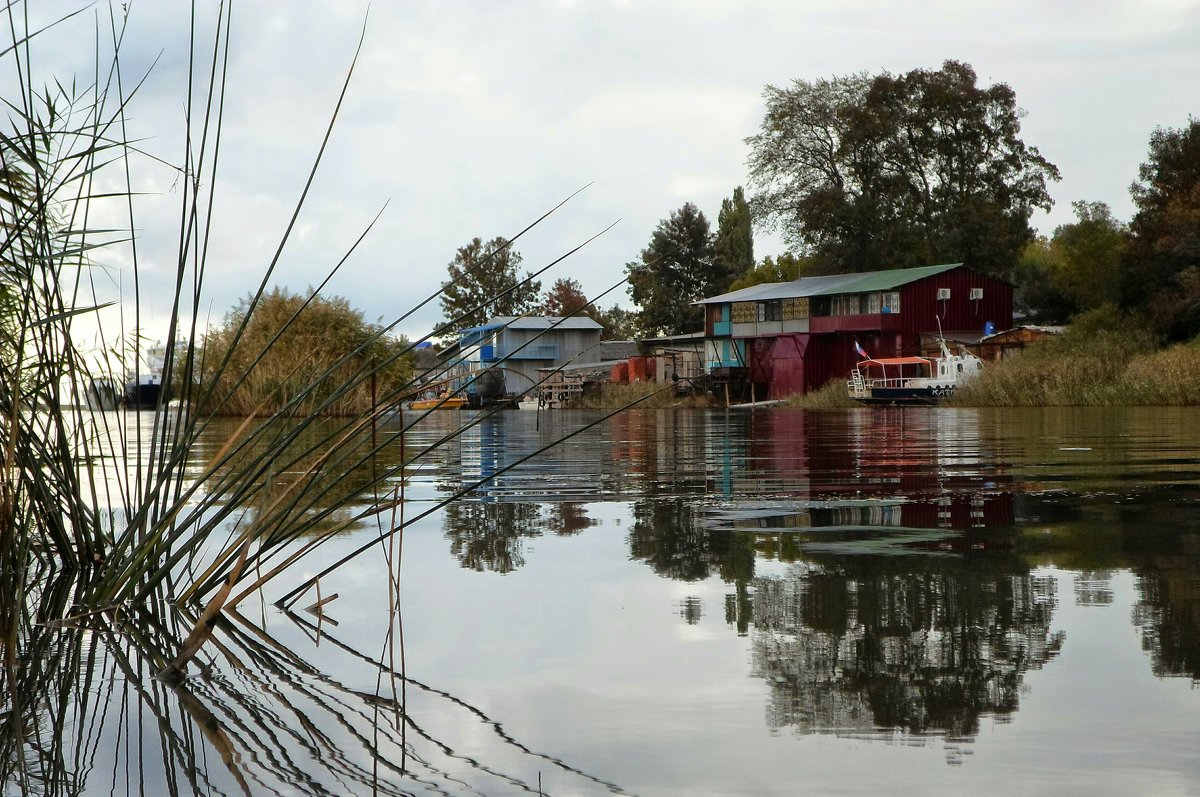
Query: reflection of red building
x=791 y=337
x=885 y=467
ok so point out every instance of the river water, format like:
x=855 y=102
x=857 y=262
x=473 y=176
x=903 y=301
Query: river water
x=685 y=602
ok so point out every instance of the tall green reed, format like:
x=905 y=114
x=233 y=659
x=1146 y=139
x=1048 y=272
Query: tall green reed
x=120 y=500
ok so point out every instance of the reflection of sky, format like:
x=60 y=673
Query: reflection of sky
x=583 y=652
x=582 y=655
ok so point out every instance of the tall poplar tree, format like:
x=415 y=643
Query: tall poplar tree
x=733 y=248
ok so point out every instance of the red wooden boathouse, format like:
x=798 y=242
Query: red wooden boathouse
x=792 y=337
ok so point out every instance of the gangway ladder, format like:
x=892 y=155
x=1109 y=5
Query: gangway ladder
x=858 y=386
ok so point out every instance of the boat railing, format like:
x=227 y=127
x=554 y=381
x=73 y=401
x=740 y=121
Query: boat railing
x=902 y=381
x=860 y=385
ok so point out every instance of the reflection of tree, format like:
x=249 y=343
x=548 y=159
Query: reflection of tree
x=488 y=536
x=1093 y=588
x=666 y=535
x=1168 y=613
x=924 y=644
x=569 y=519
x=1154 y=536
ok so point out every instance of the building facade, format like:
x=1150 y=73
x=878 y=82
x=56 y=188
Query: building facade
x=512 y=350
x=793 y=337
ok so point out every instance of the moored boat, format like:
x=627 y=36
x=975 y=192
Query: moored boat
x=438 y=403
x=144 y=383
x=912 y=380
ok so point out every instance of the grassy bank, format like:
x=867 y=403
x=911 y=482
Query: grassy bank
x=832 y=396
x=612 y=396
x=1104 y=369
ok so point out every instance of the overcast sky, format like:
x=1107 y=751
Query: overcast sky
x=472 y=118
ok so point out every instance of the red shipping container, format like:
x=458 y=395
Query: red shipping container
x=637 y=369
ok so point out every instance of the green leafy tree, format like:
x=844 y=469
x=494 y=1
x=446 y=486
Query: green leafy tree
x=676 y=269
x=483 y=281
x=1090 y=255
x=1080 y=268
x=784 y=268
x=618 y=323
x=733 y=247
x=1162 y=266
x=1040 y=294
x=895 y=171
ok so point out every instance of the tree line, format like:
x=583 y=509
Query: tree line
x=855 y=173
x=867 y=172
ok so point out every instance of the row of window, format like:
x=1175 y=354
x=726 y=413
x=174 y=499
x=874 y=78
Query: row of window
x=804 y=307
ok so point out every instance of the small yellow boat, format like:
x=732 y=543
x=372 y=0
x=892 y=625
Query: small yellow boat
x=443 y=403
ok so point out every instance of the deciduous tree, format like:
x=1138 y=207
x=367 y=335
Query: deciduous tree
x=867 y=172
x=1040 y=294
x=1090 y=253
x=483 y=282
x=566 y=297
x=1162 y=278
x=673 y=271
x=618 y=323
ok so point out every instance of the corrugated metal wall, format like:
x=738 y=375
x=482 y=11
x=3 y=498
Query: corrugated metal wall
x=920 y=306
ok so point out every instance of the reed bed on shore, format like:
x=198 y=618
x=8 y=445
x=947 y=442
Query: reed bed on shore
x=1090 y=367
x=647 y=395
x=832 y=395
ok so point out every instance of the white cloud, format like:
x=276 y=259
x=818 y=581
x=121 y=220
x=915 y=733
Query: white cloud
x=472 y=119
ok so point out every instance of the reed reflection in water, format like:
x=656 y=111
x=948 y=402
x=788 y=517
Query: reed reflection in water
x=674 y=602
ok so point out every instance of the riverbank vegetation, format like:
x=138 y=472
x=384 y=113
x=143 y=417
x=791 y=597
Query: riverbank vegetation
x=833 y=395
x=644 y=395
x=289 y=355
x=1101 y=360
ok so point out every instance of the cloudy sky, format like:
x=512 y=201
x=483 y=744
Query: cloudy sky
x=473 y=118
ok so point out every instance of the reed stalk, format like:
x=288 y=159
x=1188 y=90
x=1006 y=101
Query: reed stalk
x=117 y=499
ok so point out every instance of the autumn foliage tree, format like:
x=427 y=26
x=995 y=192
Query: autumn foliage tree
x=565 y=297
x=299 y=345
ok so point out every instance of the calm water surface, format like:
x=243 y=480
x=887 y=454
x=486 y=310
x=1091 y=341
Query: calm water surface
x=688 y=603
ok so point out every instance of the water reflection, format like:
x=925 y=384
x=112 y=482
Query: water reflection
x=1168 y=610
x=879 y=575
x=860 y=644
x=908 y=602
x=85 y=715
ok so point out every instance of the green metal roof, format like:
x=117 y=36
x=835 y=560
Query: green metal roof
x=887 y=280
x=831 y=284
